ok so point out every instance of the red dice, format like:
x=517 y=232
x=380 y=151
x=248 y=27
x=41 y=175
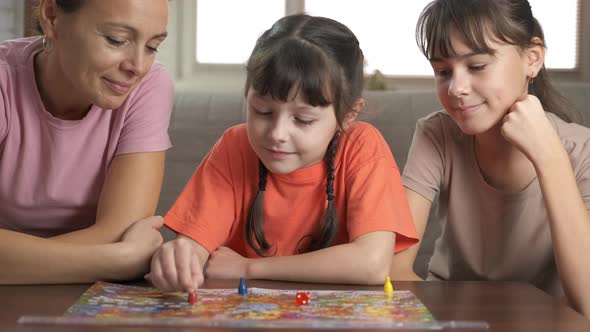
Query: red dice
x=302 y=298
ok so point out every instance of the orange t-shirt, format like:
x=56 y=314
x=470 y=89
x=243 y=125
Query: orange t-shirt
x=369 y=196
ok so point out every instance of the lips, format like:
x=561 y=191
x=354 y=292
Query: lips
x=279 y=151
x=119 y=88
x=469 y=108
x=278 y=154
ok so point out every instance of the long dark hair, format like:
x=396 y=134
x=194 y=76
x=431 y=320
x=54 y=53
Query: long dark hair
x=322 y=60
x=508 y=21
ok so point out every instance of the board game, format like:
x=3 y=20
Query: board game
x=115 y=304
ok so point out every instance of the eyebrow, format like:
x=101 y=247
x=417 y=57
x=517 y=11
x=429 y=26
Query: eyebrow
x=459 y=57
x=304 y=108
x=132 y=29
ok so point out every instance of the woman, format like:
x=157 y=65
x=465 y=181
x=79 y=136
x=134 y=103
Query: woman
x=84 y=112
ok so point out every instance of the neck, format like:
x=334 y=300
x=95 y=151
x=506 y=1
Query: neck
x=492 y=143
x=501 y=164
x=56 y=94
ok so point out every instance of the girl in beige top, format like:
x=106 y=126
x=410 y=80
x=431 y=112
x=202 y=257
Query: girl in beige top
x=511 y=173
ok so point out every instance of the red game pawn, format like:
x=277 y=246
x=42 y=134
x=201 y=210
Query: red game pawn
x=302 y=298
x=192 y=297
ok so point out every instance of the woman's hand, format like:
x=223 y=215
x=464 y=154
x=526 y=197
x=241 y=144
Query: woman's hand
x=141 y=240
x=225 y=263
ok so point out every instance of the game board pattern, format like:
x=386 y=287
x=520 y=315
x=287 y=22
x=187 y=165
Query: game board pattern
x=114 y=304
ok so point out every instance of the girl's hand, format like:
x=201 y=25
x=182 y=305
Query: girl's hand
x=225 y=263
x=142 y=239
x=176 y=266
x=527 y=127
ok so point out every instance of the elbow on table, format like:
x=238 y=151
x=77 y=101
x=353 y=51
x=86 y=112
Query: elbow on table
x=376 y=267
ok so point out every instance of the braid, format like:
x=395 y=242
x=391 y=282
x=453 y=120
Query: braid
x=262 y=173
x=255 y=223
x=330 y=156
x=330 y=222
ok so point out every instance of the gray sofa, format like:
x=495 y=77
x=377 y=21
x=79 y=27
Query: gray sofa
x=200 y=118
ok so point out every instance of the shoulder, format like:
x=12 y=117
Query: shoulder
x=14 y=56
x=232 y=151
x=154 y=94
x=437 y=121
x=360 y=129
x=569 y=131
x=440 y=128
x=362 y=144
x=234 y=139
x=16 y=52
x=574 y=137
x=236 y=133
x=159 y=73
x=157 y=86
x=158 y=77
x=362 y=133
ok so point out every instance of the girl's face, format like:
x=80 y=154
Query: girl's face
x=106 y=48
x=477 y=90
x=291 y=135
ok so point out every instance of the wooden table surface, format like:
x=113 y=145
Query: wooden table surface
x=505 y=307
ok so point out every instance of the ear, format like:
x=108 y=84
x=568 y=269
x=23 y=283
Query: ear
x=357 y=107
x=48 y=17
x=535 y=57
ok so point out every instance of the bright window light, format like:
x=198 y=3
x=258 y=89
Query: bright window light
x=385 y=30
x=227 y=29
x=559 y=20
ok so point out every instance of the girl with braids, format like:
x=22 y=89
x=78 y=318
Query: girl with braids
x=511 y=172
x=300 y=192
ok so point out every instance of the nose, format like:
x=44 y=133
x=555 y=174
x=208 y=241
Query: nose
x=460 y=84
x=135 y=62
x=279 y=131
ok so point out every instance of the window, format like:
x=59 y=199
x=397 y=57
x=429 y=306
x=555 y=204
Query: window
x=228 y=36
x=561 y=35
x=385 y=29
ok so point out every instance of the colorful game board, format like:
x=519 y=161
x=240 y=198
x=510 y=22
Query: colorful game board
x=114 y=304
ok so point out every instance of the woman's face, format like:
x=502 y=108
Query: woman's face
x=104 y=49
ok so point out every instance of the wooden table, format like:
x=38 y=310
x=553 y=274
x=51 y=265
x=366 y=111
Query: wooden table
x=506 y=307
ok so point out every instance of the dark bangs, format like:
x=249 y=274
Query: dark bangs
x=291 y=64
x=476 y=20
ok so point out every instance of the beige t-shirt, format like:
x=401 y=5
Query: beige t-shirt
x=487 y=234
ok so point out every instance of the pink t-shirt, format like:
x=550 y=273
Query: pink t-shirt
x=52 y=170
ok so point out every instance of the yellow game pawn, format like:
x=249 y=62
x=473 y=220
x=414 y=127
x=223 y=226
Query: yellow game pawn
x=388 y=287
